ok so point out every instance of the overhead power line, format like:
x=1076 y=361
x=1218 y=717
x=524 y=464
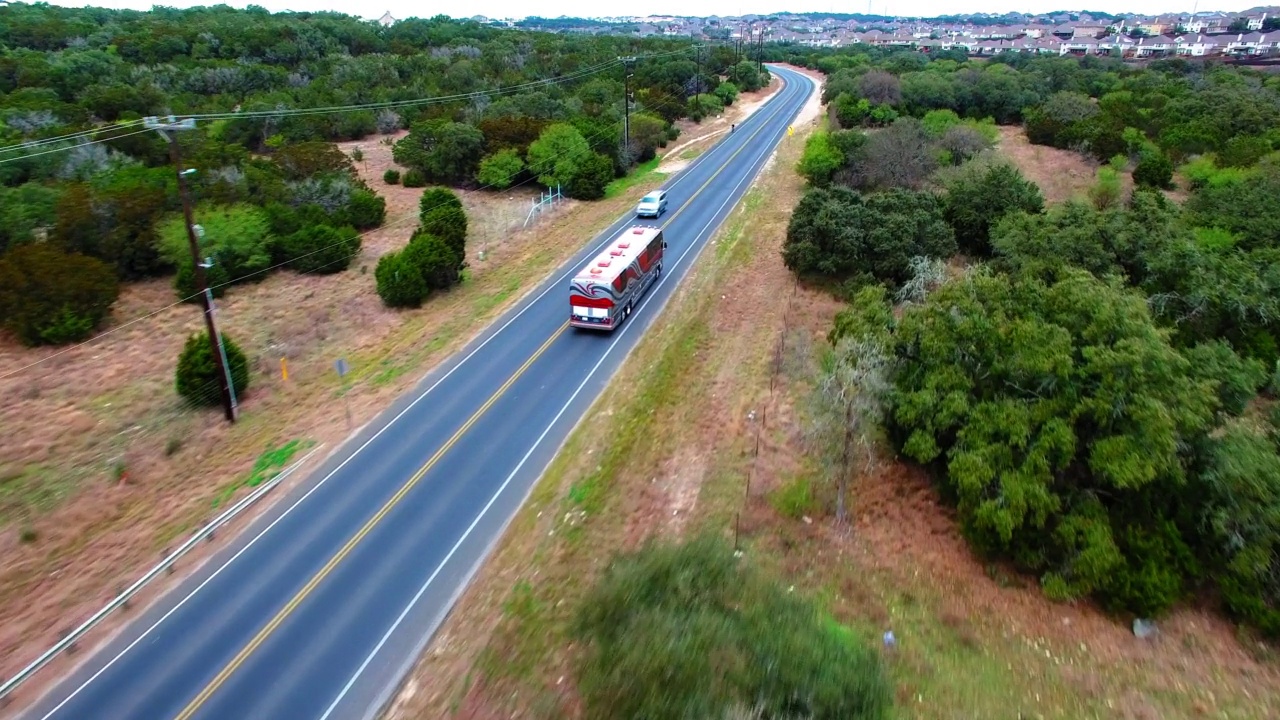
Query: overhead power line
x=333 y=109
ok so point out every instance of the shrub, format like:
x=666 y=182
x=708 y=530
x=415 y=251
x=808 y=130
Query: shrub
x=436 y=198
x=321 y=249
x=51 y=297
x=413 y=178
x=500 y=169
x=437 y=263
x=449 y=223
x=685 y=631
x=300 y=161
x=399 y=283
x=238 y=237
x=1154 y=170
x=366 y=210
x=196 y=377
x=840 y=234
x=592 y=176
x=821 y=160
x=727 y=92
x=184 y=282
x=979 y=196
x=391 y=177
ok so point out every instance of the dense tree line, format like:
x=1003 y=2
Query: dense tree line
x=270 y=189
x=1091 y=382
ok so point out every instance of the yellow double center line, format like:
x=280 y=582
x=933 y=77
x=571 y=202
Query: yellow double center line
x=319 y=577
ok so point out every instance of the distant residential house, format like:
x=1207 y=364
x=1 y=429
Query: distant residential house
x=1155 y=47
x=1253 y=44
x=1254 y=22
x=1199 y=45
x=1080 y=46
x=386 y=20
x=1088 y=31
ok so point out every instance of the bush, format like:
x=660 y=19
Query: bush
x=500 y=169
x=391 y=177
x=366 y=210
x=437 y=263
x=238 y=237
x=687 y=631
x=449 y=223
x=196 y=377
x=413 y=178
x=399 y=283
x=436 y=198
x=443 y=151
x=727 y=92
x=321 y=249
x=184 y=282
x=979 y=196
x=51 y=297
x=840 y=234
x=1154 y=170
x=592 y=175
x=821 y=160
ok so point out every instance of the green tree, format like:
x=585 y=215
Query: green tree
x=838 y=233
x=1242 y=512
x=445 y=152
x=500 y=169
x=592 y=175
x=980 y=195
x=197 y=378
x=51 y=297
x=438 y=264
x=1057 y=459
x=237 y=237
x=391 y=176
x=1154 y=170
x=554 y=158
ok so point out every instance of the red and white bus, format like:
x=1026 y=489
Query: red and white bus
x=605 y=292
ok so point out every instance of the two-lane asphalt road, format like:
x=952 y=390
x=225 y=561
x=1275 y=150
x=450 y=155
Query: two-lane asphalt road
x=320 y=607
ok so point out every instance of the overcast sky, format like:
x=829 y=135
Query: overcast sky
x=586 y=8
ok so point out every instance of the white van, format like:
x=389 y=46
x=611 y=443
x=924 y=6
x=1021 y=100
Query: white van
x=653 y=204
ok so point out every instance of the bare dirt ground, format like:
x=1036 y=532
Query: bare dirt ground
x=712 y=383
x=106 y=469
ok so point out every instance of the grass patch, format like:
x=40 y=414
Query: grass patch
x=485 y=303
x=643 y=173
x=267 y=465
x=691 y=153
x=28 y=490
x=794 y=499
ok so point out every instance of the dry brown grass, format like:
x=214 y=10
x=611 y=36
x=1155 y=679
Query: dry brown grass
x=105 y=468
x=975 y=640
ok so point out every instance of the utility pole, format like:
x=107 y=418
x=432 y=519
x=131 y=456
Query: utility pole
x=697 y=88
x=760 y=51
x=165 y=128
x=626 y=105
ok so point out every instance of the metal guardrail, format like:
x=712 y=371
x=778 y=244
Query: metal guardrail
x=123 y=598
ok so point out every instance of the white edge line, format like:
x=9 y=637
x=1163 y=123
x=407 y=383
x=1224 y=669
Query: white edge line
x=551 y=285
x=502 y=488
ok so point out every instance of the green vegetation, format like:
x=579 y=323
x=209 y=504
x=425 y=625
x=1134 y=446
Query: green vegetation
x=268 y=180
x=49 y=297
x=1087 y=392
x=197 y=378
x=684 y=631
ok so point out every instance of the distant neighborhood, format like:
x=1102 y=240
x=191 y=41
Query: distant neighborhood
x=1254 y=33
